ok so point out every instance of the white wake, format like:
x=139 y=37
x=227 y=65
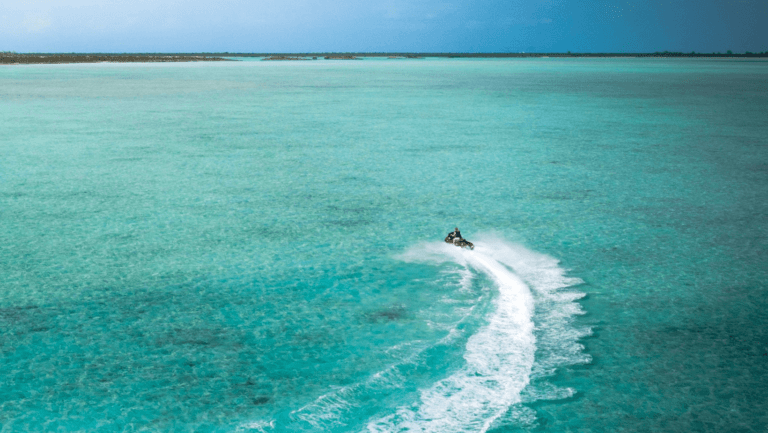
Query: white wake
x=514 y=347
x=499 y=357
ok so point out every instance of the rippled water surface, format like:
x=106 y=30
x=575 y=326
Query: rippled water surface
x=257 y=246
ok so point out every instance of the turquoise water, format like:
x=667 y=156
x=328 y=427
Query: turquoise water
x=257 y=246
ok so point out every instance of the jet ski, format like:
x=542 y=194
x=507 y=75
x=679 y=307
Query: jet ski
x=459 y=242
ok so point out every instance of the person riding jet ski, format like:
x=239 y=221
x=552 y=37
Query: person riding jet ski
x=455 y=238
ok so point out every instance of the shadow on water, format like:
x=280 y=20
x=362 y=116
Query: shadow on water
x=393 y=313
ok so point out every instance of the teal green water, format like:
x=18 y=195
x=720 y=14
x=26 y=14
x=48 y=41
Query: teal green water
x=257 y=246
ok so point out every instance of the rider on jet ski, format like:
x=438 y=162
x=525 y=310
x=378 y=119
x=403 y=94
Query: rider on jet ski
x=454 y=236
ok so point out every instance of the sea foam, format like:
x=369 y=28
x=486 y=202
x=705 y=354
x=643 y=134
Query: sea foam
x=502 y=357
x=528 y=333
x=498 y=357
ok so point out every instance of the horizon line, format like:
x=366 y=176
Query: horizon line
x=384 y=53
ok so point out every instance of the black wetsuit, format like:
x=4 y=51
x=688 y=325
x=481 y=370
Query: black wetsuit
x=454 y=235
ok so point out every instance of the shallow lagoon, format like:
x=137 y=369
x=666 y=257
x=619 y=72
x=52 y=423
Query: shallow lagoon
x=256 y=246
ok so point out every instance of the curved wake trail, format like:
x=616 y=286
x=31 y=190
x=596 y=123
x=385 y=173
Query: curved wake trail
x=506 y=361
x=499 y=357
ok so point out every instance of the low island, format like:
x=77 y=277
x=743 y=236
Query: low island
x=285 y=58
x=29 y=59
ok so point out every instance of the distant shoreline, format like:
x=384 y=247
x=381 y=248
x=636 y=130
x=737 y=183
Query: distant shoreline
x=415 y=55
x=37 y=59
x=7 y=58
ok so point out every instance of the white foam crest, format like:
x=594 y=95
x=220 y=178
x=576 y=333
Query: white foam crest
x=547 y=391
x=540 y=270
x=499 y=357
x=556 y=306
x=256 y=426
x=466 y=280
x=434 y=252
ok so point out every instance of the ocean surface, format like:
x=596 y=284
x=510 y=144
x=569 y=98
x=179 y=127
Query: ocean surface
x=257 y=246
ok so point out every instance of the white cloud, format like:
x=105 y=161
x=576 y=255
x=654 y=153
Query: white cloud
x=36 y=23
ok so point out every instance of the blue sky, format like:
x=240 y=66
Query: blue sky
x=386 y=25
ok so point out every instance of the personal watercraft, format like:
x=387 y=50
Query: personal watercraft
x=459 y=242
